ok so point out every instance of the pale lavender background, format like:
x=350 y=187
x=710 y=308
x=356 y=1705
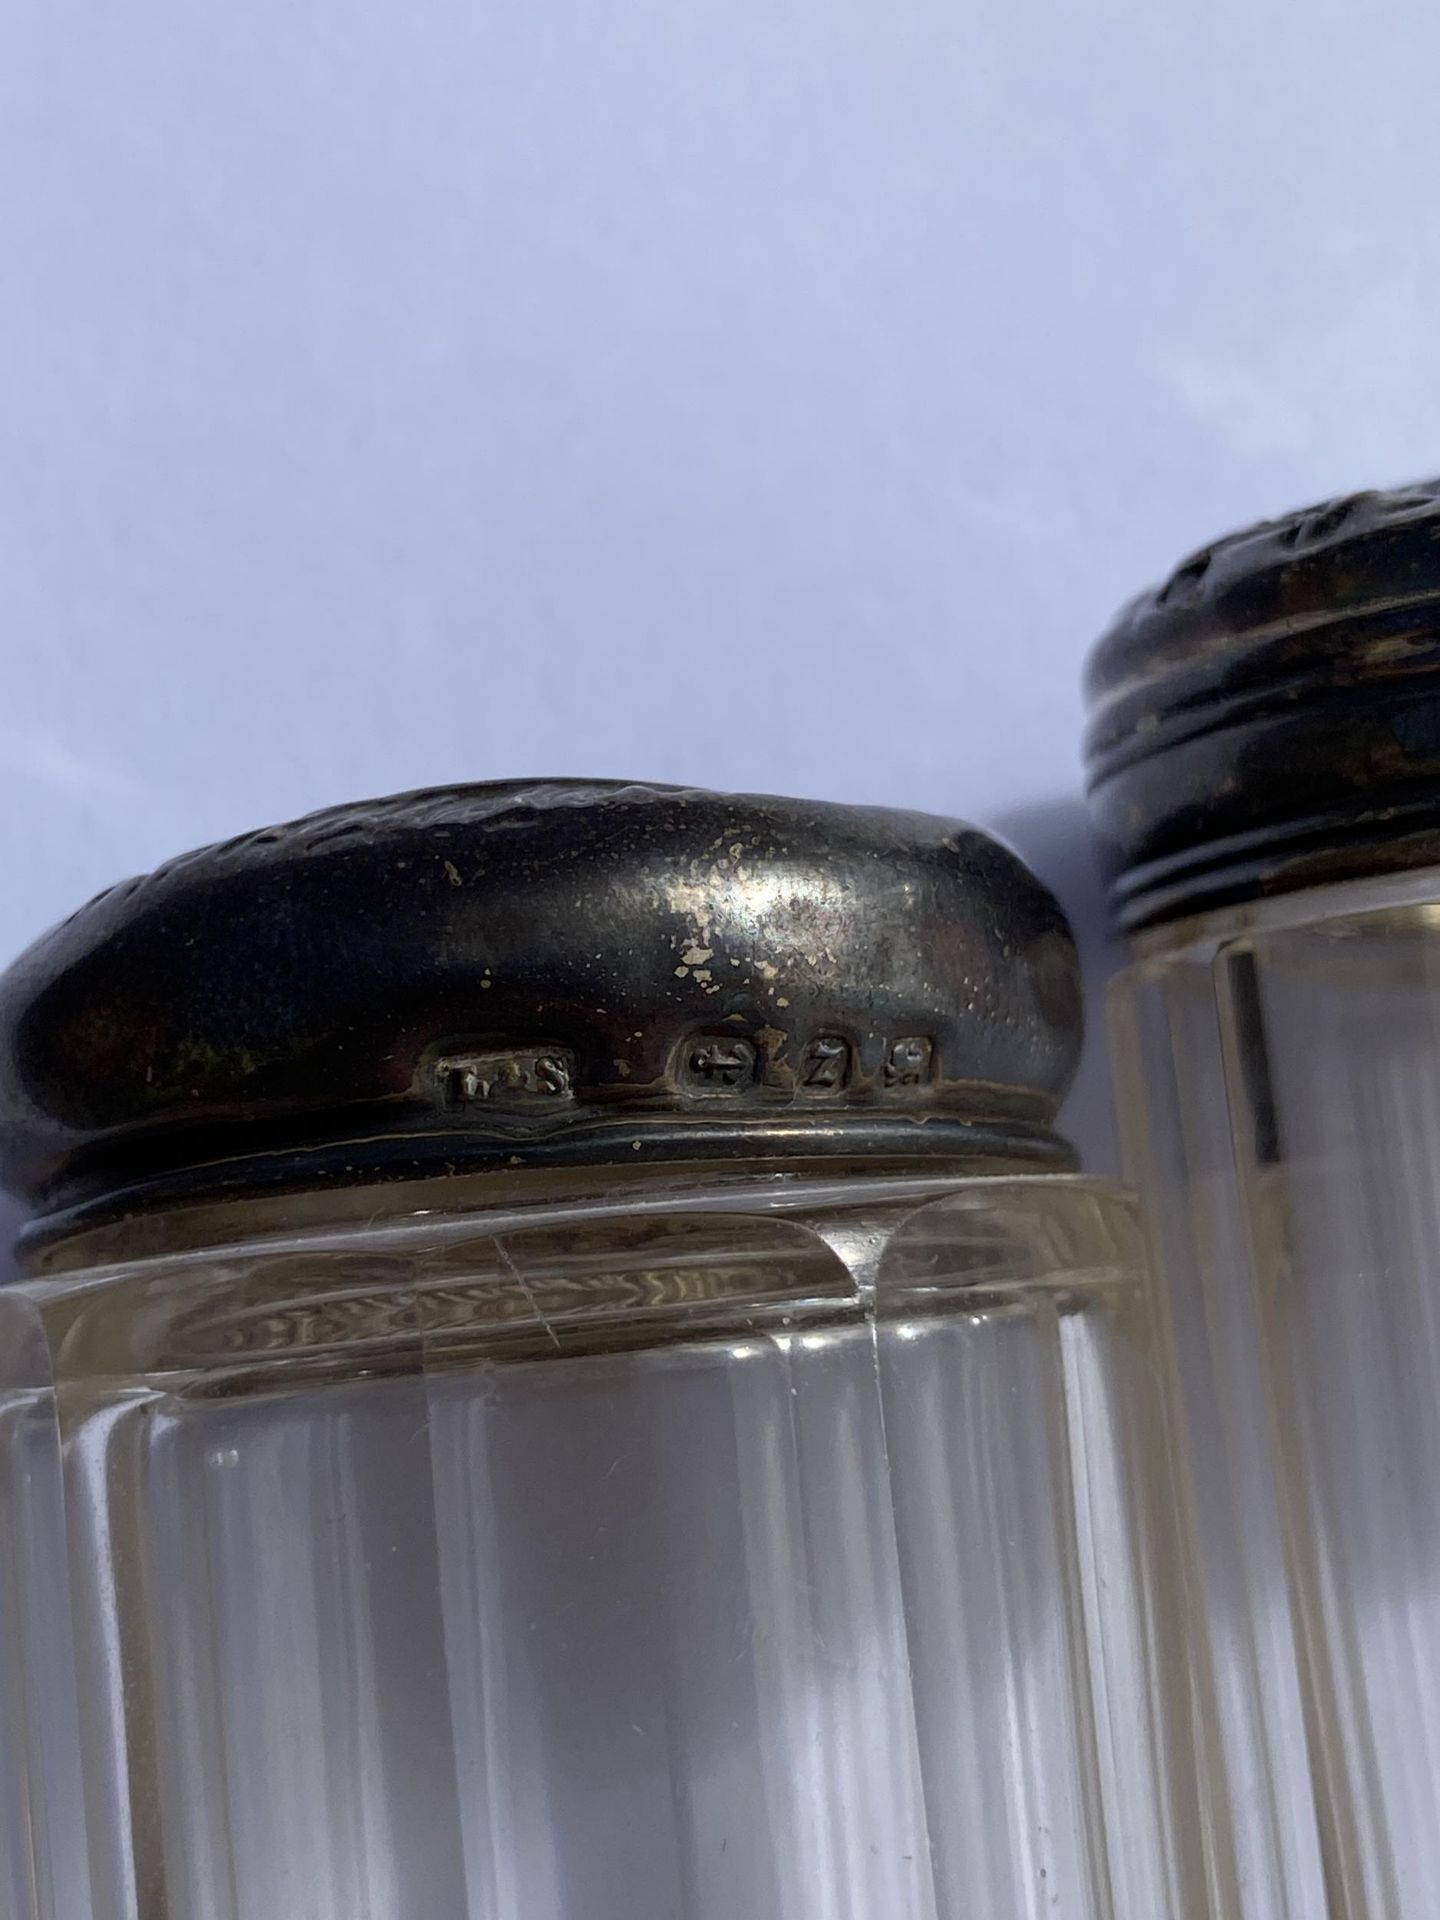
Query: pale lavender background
x=768 y=394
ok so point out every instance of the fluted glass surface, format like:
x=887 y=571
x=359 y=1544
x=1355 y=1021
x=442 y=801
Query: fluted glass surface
x=797 y=1550
x=1280 y=1088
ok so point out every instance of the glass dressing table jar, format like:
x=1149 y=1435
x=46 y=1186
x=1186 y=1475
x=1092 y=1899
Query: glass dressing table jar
x=562 y=1372
x=1265 y=760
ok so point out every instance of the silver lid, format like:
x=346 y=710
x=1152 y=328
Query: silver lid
x=1269 y=718
x=538 y=973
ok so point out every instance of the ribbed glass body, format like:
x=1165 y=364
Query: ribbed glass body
x=1280 y=1096
x=782 y=1546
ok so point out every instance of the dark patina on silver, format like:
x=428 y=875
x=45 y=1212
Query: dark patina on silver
x=537 y=974
x=1269 y=718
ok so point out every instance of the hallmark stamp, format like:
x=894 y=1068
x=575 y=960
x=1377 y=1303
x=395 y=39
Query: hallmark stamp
x=520 y=1076
x=910 y=1061
x=717 y=1064
x=825 y=1063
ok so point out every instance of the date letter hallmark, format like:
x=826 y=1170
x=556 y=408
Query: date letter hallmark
x=825 y=1064
x=510 y=1076
x=910 y=1061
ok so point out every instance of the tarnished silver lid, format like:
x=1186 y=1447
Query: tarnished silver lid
x=549 y=973
x=1269 y=718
